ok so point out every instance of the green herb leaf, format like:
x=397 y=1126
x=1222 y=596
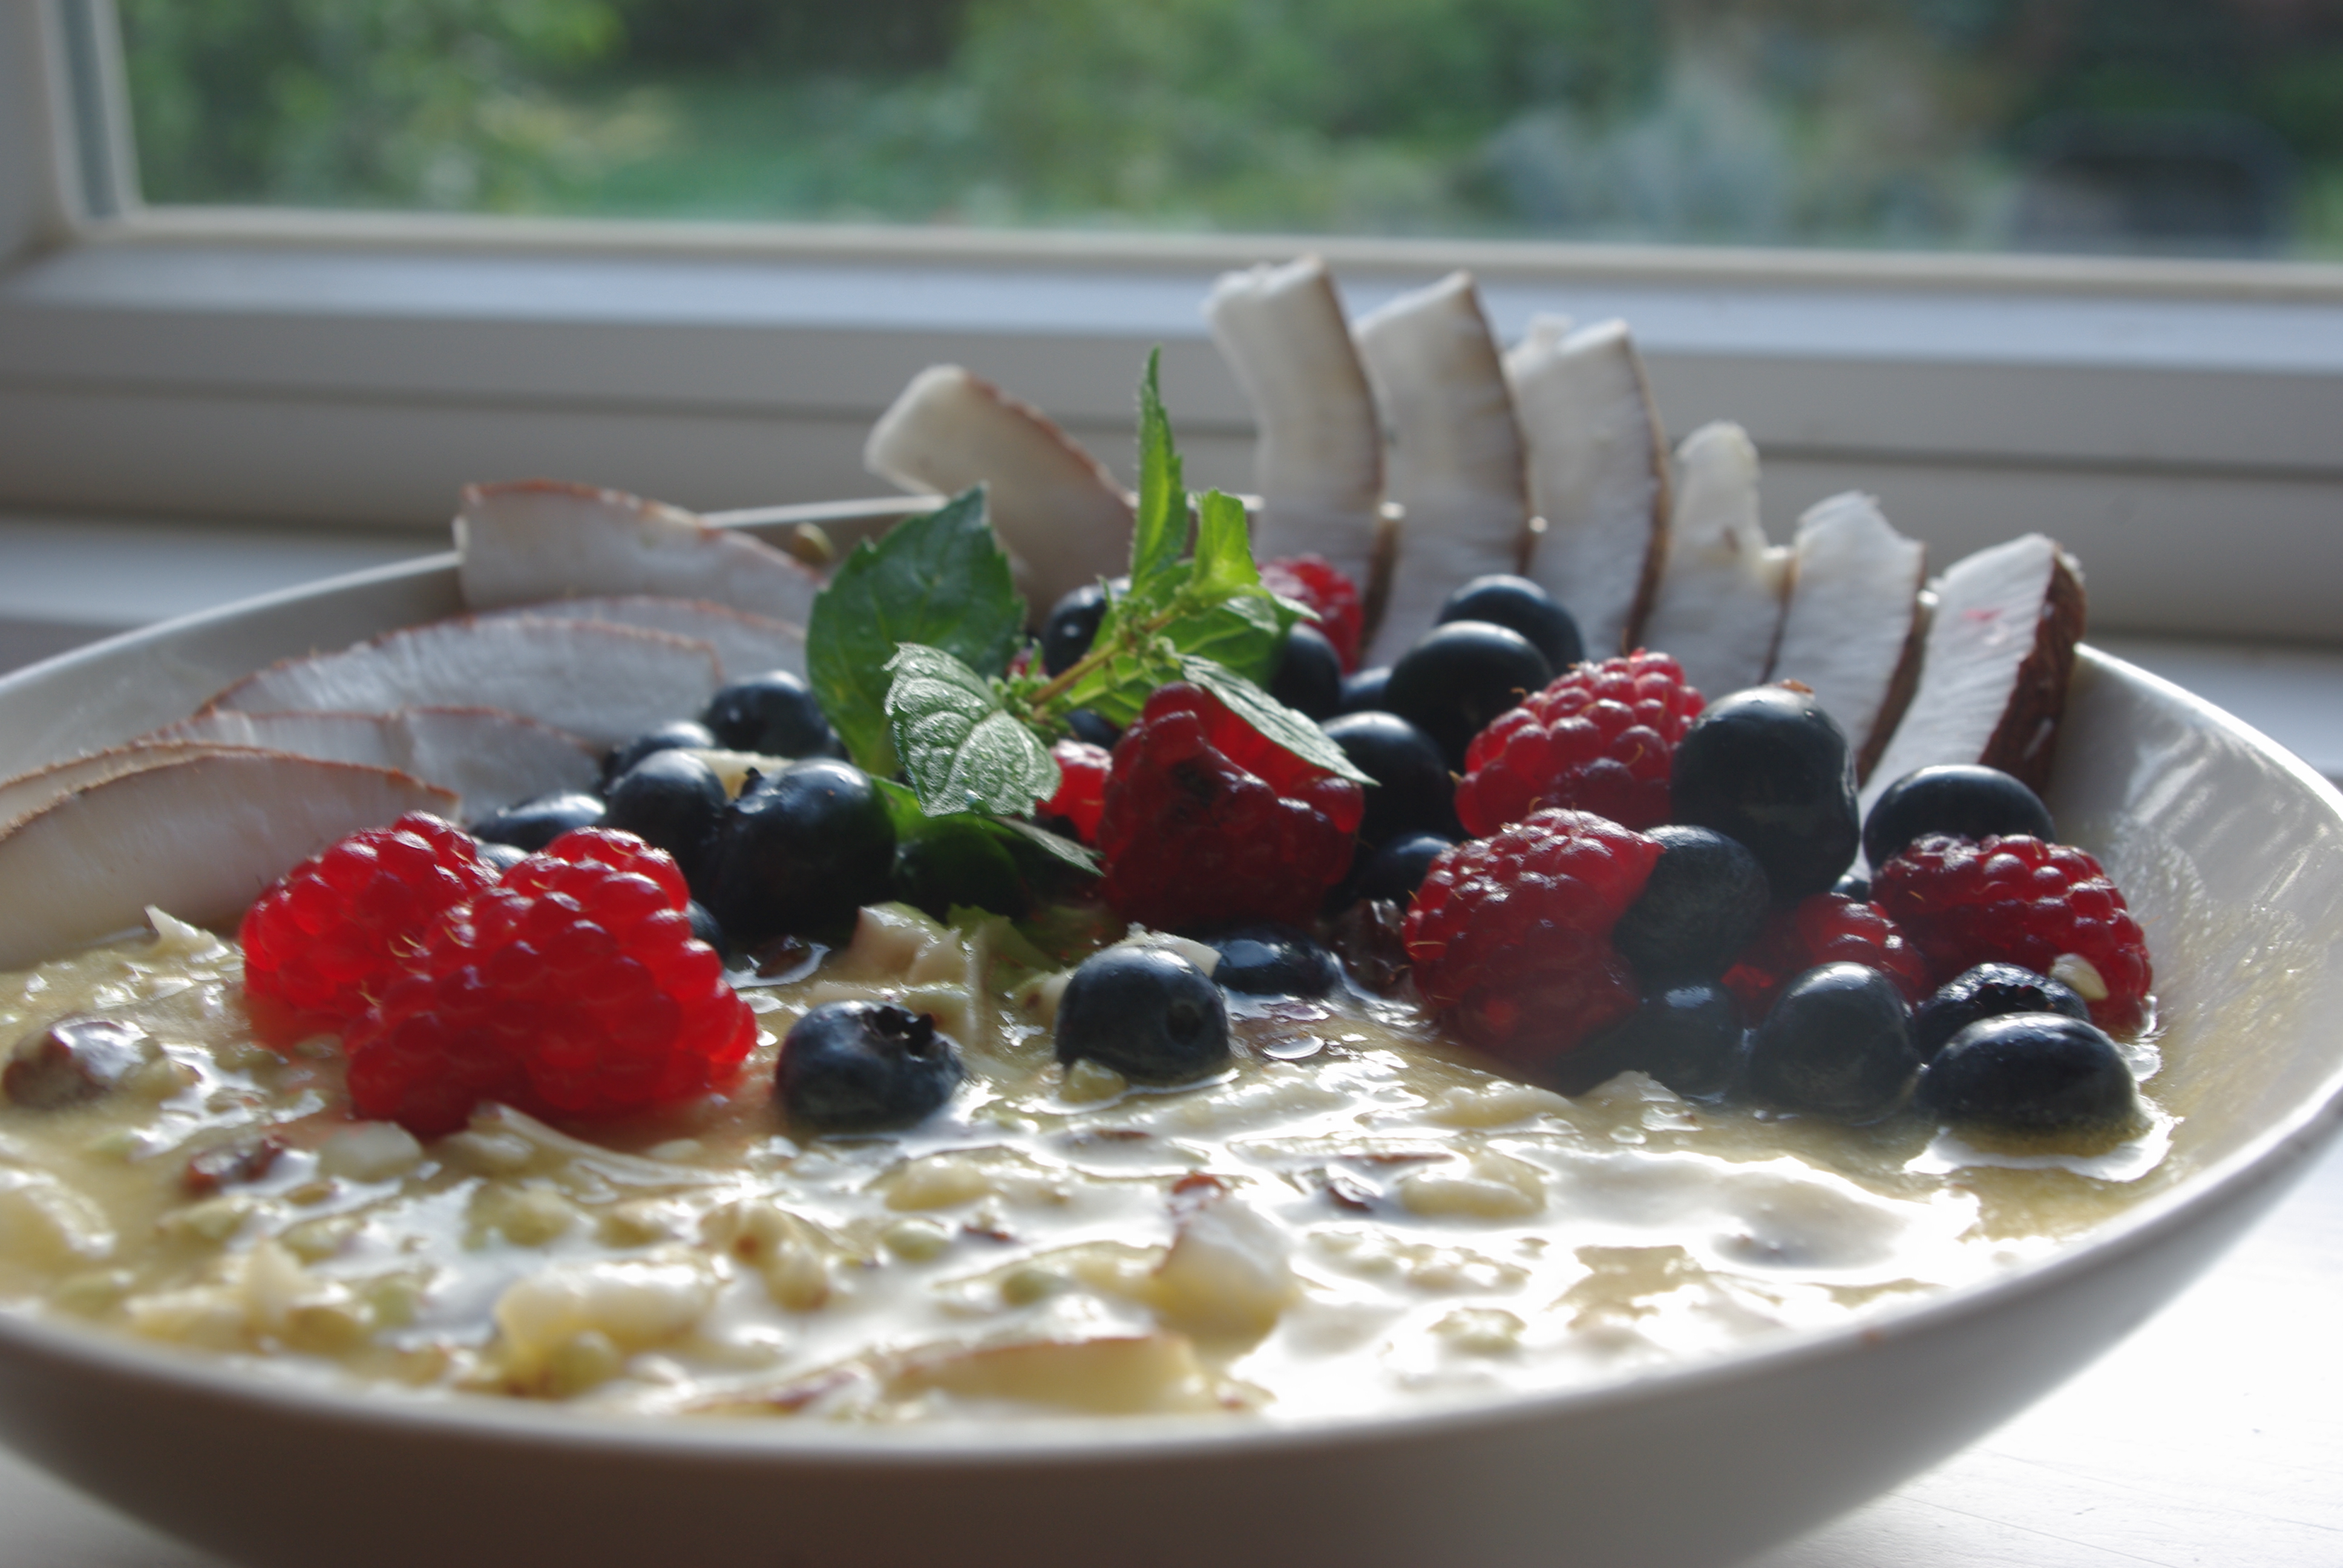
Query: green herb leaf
x=1160 y=526
x=941 y=580
x=1057 y=846
x=963 y=751
x=1278 y=722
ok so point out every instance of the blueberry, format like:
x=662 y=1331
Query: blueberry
x=1413 y=792
x=1989 y=991
x=1706 y=900
x=1837 y=1044
x=1852 y=886
x=2031 y=1072
x=683 y=733
x=534 y=824
x=672 y=801
x=1687 y=1036
x=1952 y=797
x=1072 y=625
x=864 y=1067
x=1396 y=870
x=1769 y=767
x=1363 y=689
x=1146 y=1013
x=774 y=713
x=1459 y=677
x=704 y=926
x=958 y=862
x=501 y=858
x=1272 y=960
x=800 y=852
x=1522 y=604
x=1089 y=724
x=1309 y=677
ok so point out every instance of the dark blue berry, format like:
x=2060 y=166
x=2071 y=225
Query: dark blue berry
x=1363 y=689
x=1989 y=991
x=681 y=734
x=1768 y=767
x=800 y=852
x=864 y=1067
x=501 y=858
x=1089 y=724
x=534 y=824
x=959 y=862
x=1146 y=1013
x=2031 y=1072
x=1412 y=790
x=1687 y=1036
x=1459 y=677
x=671 y=800
x=704 y=926
x=1272 y=960
x=1309 y=676
x=1852 y=886
x=1837 y=1044
x=1071 y=627
x=1396 y=870
x=1522 y=604
x=1952 y=797
x=774 y=713
x=1706 y=900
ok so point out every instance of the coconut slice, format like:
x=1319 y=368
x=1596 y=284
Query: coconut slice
x=490 y=758
x=1718 y=607
x=27 y=793
x=525 y=542
x=1598 y=471
x=1458 y=473
x=1993 y=677
x=1851 y=633
x=1319 y=464
x=200 y=837
x=1055 y=507
x=601 y=683
x=745 y=643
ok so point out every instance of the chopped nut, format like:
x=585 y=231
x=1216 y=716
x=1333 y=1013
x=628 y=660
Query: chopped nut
x=231 y=1164
x=72 y=1061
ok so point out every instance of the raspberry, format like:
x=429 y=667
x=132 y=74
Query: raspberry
x=1315 y=581
x=1208 y=822
x=2017 y=899
x=1598 y=740
x=1824 y=928
x=1511 y=935
x=573 y=987
x=336 y=930
x=1082 y=771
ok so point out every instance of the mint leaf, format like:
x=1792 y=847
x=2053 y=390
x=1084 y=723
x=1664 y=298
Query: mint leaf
x=1058 y=847
x=1224 y=562
x=1275 y=721
x=940 y=580
x=963 y=751
x=1027 y=842
x=1160 y=527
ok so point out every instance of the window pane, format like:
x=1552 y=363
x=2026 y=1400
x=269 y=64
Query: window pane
x=2188 y=127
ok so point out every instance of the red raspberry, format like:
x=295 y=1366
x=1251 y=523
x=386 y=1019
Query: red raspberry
x=572 y=989
x=1824 y=928
x=2018 y=900
x=1315 y=581
x=1511 y=935
x=1598 y=740
x=1082 y=771
x=336 y=930
x=1208 y=821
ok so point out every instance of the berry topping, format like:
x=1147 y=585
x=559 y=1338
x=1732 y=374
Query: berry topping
x=672 y=801
x=333 y=933
x=534 y=824
x=1460 y=677
x=1396 y=870
x=1309 y=676
x=1527 y=609
x=1364 y=690
x=1769 y=767
x=798 y=853
x=1988 y=991
x=1082 y=769
x=1071 y=627
x=1826 y=927
x=1511 y=935
x=1272 y=960
x=1599 y=738
x=1837 y=1044
x=1146 y=1013
x=774 y=713
x=1413 y=788
x=572 y=988
x=1964 y=800
x=864 y=1067
x=1687 y=1036
x=1089 y=724
x=1706 y=900
x=1208 y=822
x=2031 y=1072
x=2044 y=907
x=1314 y=581
x=680 y=734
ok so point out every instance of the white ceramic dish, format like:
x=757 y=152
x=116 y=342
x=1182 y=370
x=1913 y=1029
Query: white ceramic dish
x=2230 y=850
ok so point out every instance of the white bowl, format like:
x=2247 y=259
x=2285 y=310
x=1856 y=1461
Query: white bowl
x=2230 y=851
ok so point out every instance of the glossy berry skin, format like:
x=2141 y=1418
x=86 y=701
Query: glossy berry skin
x=681 y=734
x=864 y=1067
x=1687 y=1036
x=774 y=713
x=800 y=852
x=533 y=824
x=672 y=801
x=1146 y=1013
x=1517 y=602
x=1988 y=991
x=1511 y=935
x=1413 y=789
x=705 y=928
x=1090 y=725
x=1971 y=801
x=1460 y=677
x=2020 y=901
x=1599 y=738
x=1705 y=901
x=1207 y=823
x=1364 y=690
x=957 y=864
x=1272 y=960
x=334 y=933
x=1398 y=868
x=1767 y=766
x=2031 y=1072
x=1082 y=771
x=1821 y=928
x=1314 y=581
x=1309 y=675
x=1837 y=1044
x=1071 y=626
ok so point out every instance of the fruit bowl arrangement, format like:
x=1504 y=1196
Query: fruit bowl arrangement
x=1289 y=1169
